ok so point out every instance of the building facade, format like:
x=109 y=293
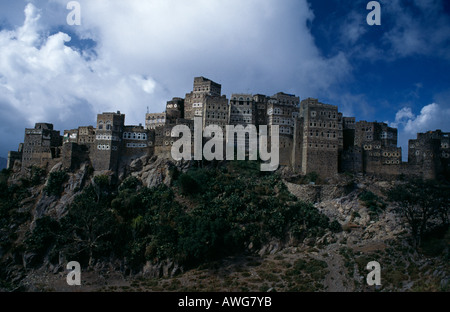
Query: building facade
x=41 y=145
x=314 y=137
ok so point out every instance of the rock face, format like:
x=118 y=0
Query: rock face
x=161 y=269
x=362 y=233
x=54 y=206
x=317 y=193
x=154 y=171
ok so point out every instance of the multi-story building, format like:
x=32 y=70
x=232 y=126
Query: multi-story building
x=108 y=140
x=242 y=110
x=375 y=131
x=41 y=145
x=261 y=102
x=322 y=131
x=155 y=120
x=429 y=154
x=14 y=157
x=196 y=101
x=215 y=111
x=314 y=137
x=136 y=143
x=174 y=110
x=86 y=136
x=378 y=145
x=283 y=111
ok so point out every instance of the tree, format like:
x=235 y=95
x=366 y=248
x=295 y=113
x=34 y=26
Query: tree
x=55 y=183
x=101 y=186
x=90 y=227
x=421 y=202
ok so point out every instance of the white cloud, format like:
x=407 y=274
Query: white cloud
x=149 y=51
x=432 y=117
x=252 y=44
x=42 y=79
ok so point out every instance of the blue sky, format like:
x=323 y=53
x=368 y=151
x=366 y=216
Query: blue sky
x=130 y=55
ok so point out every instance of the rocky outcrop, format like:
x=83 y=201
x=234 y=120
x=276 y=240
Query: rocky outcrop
x=165 y=269
x=154 y=171
x=317 y=193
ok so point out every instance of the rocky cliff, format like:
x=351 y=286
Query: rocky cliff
x=333 y=261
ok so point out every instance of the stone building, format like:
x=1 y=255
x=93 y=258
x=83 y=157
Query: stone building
x=136 y=143
x=216 y=111
x=283 y=111
x=14 y=157
x=379 y=159
x=351 y=160
x=242 y=110
x=322 y=137
x=348 y=131
x=367 y=132
x=70 y=136
x=86 y=136
x=378 y=144
x=195 y=101
x=155 y=120
x=108 y=139
x=41 y=145
x=429 y=154
x=174 y=110
x=314 y=137
x=261 y=102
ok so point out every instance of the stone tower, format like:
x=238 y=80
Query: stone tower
x=322 y=137
x=108 y=141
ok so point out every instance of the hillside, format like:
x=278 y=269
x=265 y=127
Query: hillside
x=210 y=227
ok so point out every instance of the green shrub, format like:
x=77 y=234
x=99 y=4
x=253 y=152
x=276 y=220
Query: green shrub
x=335 y=227
x=37 y=175
x=188 y=185
x=374 y=203
x=43 y=236
x=55 y=183
x=131 y=183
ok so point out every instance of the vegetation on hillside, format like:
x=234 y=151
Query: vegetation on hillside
x=424 y=204
x=205 y=215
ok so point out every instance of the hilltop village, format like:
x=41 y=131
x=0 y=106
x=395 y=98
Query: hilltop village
x=313 y=137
